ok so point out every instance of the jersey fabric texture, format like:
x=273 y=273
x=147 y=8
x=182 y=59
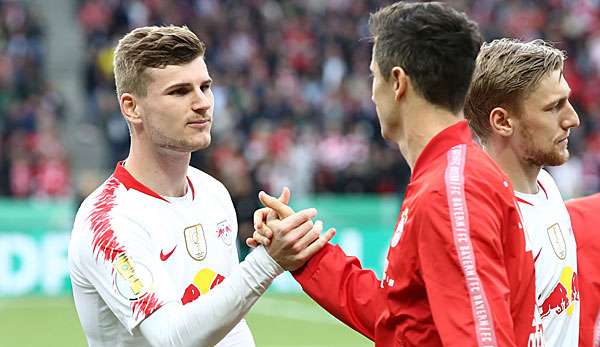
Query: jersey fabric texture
x=458 y=272
x=133 y=251
x=585 y=217
x=554 y=250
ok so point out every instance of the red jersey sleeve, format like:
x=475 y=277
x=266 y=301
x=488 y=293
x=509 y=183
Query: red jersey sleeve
x=338 y=283
x=462 y=264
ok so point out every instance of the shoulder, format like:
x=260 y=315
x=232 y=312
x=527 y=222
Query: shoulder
x=207 y=186
x=584 y=212
x=110 y=205
x=584 y=205
x=203 y=180
x=469 y=170
x=585 y=219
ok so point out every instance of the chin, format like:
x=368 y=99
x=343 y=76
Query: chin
x=556 y=159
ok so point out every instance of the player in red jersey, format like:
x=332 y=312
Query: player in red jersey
x=585 y=218
x=458 y=272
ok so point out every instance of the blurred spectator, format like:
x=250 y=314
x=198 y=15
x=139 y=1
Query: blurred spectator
x=292 y=90
x=33 y=161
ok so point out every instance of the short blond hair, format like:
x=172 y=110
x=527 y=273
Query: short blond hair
x=506 y=72
x=152 y=47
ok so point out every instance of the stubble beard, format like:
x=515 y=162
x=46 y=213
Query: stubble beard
x=176 y=144
x=542 y=156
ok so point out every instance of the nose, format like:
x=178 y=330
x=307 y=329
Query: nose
x=571 y=119
x=202 y=100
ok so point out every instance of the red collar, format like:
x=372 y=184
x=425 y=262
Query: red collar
x=440 y=144
x=130 y=182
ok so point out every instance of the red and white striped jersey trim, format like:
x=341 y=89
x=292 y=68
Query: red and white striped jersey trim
x=459 y=216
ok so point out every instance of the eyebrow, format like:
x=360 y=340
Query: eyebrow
x=186 y=84
x=554 y=101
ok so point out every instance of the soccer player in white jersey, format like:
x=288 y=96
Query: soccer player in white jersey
x=153 y=258
x=518 y=105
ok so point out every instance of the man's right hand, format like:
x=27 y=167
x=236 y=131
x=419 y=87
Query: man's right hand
x=290 y=238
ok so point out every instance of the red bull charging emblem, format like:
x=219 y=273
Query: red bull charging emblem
x=563 y=296
x=204 y=281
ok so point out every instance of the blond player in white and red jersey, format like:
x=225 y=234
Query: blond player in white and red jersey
x=152 y=257
x=518 y=105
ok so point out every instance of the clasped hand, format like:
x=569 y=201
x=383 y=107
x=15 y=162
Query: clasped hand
x=291 y=238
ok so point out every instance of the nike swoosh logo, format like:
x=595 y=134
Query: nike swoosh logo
x=164 y=257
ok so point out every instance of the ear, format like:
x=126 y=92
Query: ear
x=501 y=122
x=129 y=108
x=400 y=81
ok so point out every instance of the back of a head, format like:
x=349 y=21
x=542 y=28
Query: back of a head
x=433 y=43
x=507 y=71
x=152 y=47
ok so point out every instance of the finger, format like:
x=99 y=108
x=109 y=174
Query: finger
x=317 y=245
x=285 y=195
x=265 y=231
x=250 y=242
x=260 y=216
x=310 y=236
x=295 y=235
x=261 y=239
x=282 y=209
x=295 y=220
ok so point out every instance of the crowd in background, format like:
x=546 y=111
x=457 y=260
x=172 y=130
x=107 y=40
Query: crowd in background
x=291 y=85
x=33 y=161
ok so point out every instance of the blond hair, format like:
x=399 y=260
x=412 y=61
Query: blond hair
x=506 y=72
x=152 y=47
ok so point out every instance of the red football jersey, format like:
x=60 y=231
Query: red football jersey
x=458 y=270
x=585 y=219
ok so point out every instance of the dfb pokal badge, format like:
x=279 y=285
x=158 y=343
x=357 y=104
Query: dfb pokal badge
x=557 y=240
x=195 y=242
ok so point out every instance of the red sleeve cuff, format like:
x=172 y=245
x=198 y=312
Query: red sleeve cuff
x=305 y=272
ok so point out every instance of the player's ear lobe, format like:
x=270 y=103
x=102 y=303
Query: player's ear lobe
x=400 y=80
x=500 y=122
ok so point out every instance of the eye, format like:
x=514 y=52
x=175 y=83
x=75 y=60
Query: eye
x=560 y=105
x=205 y=87
x=179 y=91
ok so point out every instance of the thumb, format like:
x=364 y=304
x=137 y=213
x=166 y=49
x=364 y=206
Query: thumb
x=278 y=206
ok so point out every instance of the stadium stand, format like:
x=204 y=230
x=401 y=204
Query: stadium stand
x=33 y=159
x=292 y=95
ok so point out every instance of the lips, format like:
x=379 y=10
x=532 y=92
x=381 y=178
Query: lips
x=199 y=121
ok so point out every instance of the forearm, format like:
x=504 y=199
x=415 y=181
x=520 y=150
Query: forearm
x=339 y=284
x=206 y=320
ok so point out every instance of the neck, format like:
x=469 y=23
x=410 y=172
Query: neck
x=522 y=174
x=162 y=170
x=419 y=127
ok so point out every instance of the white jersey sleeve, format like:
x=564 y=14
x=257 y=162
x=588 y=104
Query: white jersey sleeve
x=205 y=321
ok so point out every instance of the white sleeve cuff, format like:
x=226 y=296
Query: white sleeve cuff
x=262 y=261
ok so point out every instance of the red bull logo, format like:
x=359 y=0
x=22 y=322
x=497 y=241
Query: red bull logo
x=204 y=281
x=563 y=296
x=225 y=232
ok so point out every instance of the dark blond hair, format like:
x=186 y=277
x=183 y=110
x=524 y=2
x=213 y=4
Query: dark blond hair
x=507 y=71
x=152 y=47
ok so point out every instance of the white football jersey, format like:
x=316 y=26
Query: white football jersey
x=132 y=251
x=548 y=225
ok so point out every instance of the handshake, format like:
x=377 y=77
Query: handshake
x=290 y=238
